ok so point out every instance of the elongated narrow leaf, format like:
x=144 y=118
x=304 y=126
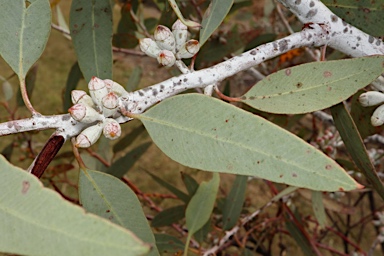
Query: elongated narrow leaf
x=7 y=91
x=318 y=208
x=169 y=216
x=190 y=183
x=168 y=244
x=313 y=86
x=201 y=205
x=299 y=237
x=73 y=79
x=213 y=16
x=215 y=136
x=110 y=198
x=31 y=213
x=91 y=31
x=127 y=140
x=364 y=14
x=122 y=165
x=177 y=11
x=62 y=23
x=125 y=36
x=134 y=79
x=233 y=204
x=355 y=146
x=24 y=32
x=180 y=194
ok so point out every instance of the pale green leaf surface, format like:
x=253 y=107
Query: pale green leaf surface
x=62 y=23
x=190 y=183
x=36 y=221
x=318 y=208
x=91 y=31
x=108 y=197
x=233 y=204
x=283 y=193
x=23 y=38
x=313 y=86
x=213 y=16
x=215 y=136
x=201 y=205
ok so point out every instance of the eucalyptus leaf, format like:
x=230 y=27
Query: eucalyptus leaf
x=168 y=216
x=125 y=36
x=213 y=16
x=31 y=213
x=73 y=79
x=200 y=206
x=219 y=137
x=313 y=86
x=108 y=197
x=168 y=244
x=134 y=79
x=190 y=183
x=233 y=204
x=299 y=237
x=7 y=90
x=128 y=139
x=364 y=14
x=24 y=33
x=91 y=32
x=318 y=208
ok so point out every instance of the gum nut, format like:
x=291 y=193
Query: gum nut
x=97 y=89
x=178 y=25
x=377 y=118
x=164 y=38
x=115 y=87
x=84 y=113
x=112 y=129
x=166 y=58
x=149 y=47
x=371 y=98
x=180 y=32
x=89 y=136
x=76 y=95
x=188 y=50
x=110 y=104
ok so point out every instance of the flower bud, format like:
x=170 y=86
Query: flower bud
x=89 y=136
x=84 y=113
x=166 y=58
x=377 y=118
x=149 y=47
x=180 y=32
x=97 y=90
x=110 y=103
x=188 y=50
x=82 y=97
x=371 y=98
x=112 y=129
x=115 y=87
x=164 y=38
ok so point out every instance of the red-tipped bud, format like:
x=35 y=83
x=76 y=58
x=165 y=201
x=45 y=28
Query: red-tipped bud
x=188 y=50
x=82 y=97
x=97 y=89
x=112 y=129
x=166 y=58
x=89 y=136
x=115 y=87
x=164 y=38
x=110 y=103
x=84 y=113
x=149 y=47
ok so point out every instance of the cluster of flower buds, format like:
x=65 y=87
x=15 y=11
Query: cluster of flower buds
x=101 y=107
x=169 y=46
x=374 y=98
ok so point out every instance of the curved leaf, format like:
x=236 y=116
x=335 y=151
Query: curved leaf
x=318 y=208
x=364 y=14
x=213 y=16
x=91 y=31
x=108 y=197
x=48 y=225
x=168 y=216
x=201 y=206
x=313 y=86
x=168 y=244
x=24 y=32
x=215 y=136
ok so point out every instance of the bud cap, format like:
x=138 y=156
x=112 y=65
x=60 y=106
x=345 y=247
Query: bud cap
x=89 y=136
x=112 y=129
x=149 y=47
x=371 y=98
x=166 y=58
x=84 y=113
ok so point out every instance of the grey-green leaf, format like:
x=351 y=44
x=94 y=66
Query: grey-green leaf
x=313 y=86
x=318 y=208
x=233 y=204
x=91 y=31
x=31 y=213
x=168 y=245
x=168 y=216
x=201 y=206
x=73 y=79
x=108 y=197
x=213 y=16
x=219 y=137
x=24 y=32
